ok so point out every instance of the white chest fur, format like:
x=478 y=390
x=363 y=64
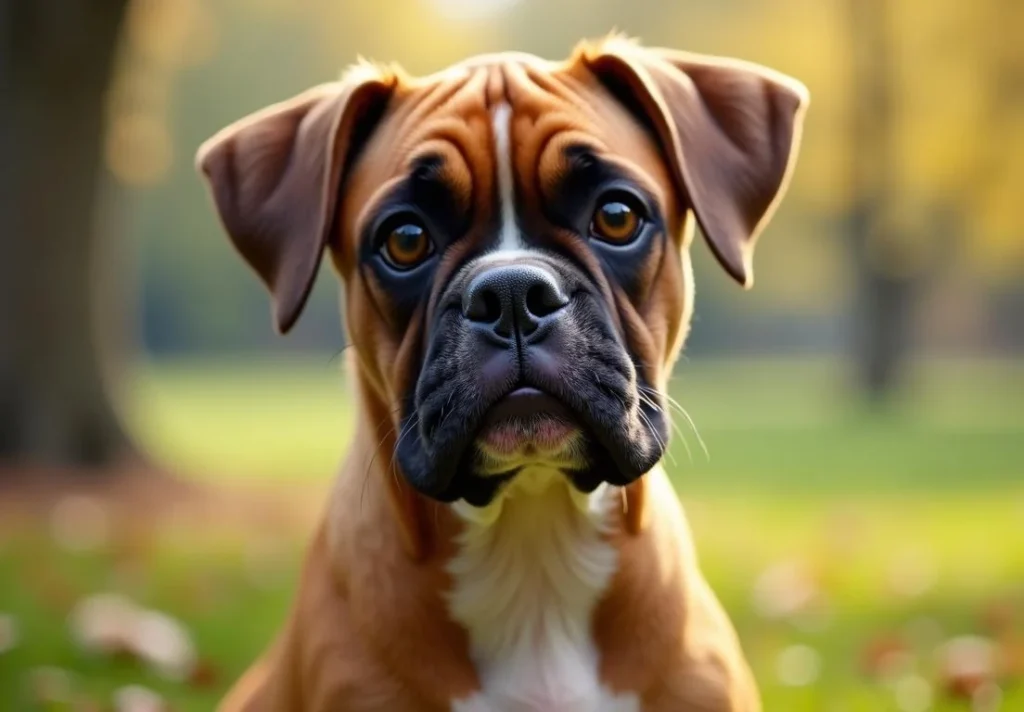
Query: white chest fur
x=530 y=569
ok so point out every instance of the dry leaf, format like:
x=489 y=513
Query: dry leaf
x=111 y=624
x=966 y=664
x=9 y=633
x=105 y=624
x=785 y=590
x=136 y=698
x=163 y=643
x=50 y=685
x=886 y=657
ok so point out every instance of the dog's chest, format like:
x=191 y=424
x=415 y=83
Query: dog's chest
x=529 y=571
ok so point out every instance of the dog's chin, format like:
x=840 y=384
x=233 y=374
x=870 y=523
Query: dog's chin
x=480 y=489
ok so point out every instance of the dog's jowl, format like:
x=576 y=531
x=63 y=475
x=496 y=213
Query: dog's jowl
x=512 y=236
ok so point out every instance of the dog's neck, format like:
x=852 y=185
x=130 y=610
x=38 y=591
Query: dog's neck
x=529 y=570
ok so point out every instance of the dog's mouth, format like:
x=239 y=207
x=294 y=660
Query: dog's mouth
x=527 y=425
x=526 y=428
x=530 y=431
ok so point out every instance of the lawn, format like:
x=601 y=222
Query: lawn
x=849 y=548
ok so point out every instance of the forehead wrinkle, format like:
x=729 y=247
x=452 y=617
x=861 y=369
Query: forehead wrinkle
x=422 y=112
x=434 y=164
x=559 y=131
x=429 y=96
x=616 y=165
x=570 y=91
x=525 y=95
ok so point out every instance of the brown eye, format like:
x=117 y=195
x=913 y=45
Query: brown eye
x=406 y=245
x=615 y=221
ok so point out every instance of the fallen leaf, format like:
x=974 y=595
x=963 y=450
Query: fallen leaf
x=999 y=617
x=966 y=664
x=105 y=624
x=9 y=632
x=886 y=657
x=784 y=590
x=164 y=643
x=987 y=698
x=1011 y=658
x=50 y=685
x=136 y=698
x=798 y=666
x=913 y=694
x=204 y=675
x=110 y=624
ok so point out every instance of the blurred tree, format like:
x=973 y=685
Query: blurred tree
x=57 y=60
x=885 y=269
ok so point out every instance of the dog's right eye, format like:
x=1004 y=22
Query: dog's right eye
x=405 y=242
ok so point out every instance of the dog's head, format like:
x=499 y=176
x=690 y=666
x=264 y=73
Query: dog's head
x=512 y=236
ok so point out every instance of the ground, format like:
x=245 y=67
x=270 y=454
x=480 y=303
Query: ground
x=848 y=548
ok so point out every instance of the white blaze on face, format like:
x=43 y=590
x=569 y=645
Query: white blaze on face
x=532 y=565
x=501 y=122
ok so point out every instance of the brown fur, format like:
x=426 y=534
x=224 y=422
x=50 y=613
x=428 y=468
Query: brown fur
x=369 y=629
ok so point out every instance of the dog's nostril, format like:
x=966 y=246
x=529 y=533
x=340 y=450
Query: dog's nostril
x=543 y=299
x=512 y=297
x=491 y=307
x=484 y=306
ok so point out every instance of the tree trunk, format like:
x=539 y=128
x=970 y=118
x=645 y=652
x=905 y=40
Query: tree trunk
x=58 y=59
x=884 y=283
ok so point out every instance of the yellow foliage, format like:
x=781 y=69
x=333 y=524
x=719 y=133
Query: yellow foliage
x=172 y=33
x=956 y=131
x=138 y=149
x=416 y=34
x=957 y=138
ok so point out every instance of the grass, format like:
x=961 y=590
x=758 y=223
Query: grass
x=907 y=524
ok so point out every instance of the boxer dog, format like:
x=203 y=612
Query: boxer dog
x=512 y=238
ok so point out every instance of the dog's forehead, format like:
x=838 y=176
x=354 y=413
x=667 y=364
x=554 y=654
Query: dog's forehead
x=454 y=111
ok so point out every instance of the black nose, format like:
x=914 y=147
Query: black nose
x=512 y=298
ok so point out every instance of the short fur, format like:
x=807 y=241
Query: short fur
x=436 y=581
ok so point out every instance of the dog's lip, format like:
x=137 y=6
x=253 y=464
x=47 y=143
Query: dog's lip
x=526 y=402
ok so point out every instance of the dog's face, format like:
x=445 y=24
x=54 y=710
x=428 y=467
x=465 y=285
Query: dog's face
x=512 y=235
x=515 y=226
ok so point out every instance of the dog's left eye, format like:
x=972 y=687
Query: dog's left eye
x=617 y=220
x=405 y=242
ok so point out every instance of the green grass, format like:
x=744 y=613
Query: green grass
x=767 y=425
x=796 y=472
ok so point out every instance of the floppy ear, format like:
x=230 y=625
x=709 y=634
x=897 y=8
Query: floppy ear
x=275 y=175
x=730 y=129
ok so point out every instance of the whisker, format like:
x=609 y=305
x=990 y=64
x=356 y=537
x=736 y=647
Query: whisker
x=657 y=438
x=339 y=354
x=405 y=431
x=693 y=426
x=369 y=466
x=366 y=475
x=677 y=406
x=643 y=390
x=675 y=426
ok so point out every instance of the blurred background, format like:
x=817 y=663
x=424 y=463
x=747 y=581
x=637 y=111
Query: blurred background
x=854 y=469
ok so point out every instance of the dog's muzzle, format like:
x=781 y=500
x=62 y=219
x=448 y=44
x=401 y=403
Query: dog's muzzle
x=524 y=368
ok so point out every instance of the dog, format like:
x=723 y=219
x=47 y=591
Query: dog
x=512 y=238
